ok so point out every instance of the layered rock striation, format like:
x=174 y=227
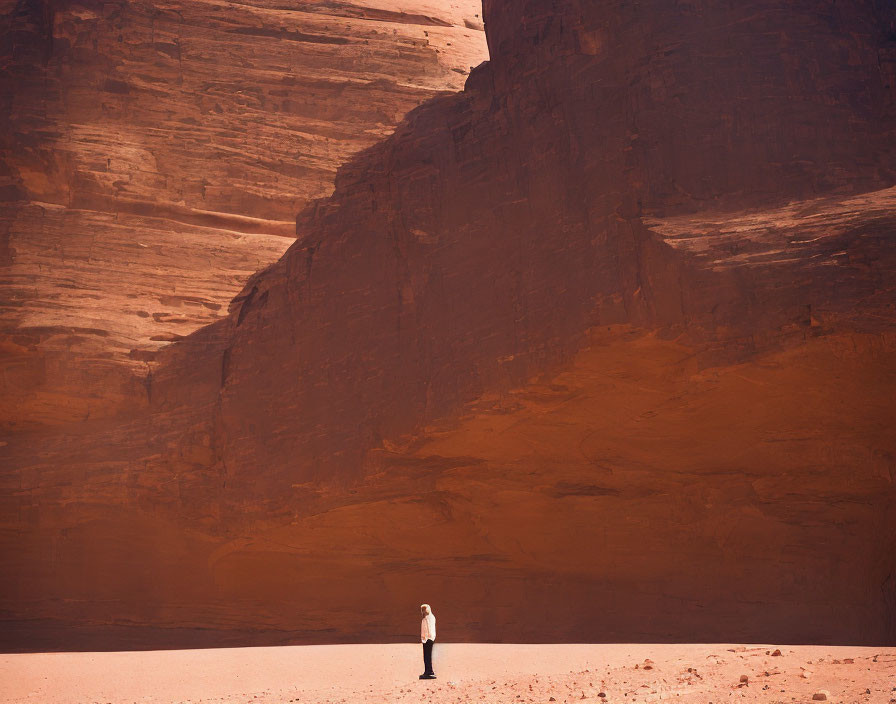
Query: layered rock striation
x=155 y=155
x=471 y=250
x=607 y=336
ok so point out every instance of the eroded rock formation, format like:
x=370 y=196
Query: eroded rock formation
x=607 y=337
x=487 y=275
x=155 y=155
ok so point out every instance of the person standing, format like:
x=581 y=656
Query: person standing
x=428 y=636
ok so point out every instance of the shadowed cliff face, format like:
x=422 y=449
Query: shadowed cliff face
x=606 y=336
x=707 y=104
x=472 y=250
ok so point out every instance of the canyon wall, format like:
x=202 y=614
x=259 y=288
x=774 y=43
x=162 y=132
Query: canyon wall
x=600 y=348
x=473 y=248
x=155 y=154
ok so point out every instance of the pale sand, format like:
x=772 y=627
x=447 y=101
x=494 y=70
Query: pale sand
x=467 y=673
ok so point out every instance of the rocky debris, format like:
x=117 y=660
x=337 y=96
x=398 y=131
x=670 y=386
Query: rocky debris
x=821 y=696
x=320 y=688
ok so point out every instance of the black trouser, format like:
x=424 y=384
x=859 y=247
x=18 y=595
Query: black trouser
x=427 y=657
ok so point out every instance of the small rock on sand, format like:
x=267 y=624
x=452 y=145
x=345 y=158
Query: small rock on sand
x=821 y=696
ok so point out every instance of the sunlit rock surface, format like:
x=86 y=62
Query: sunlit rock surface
x=155 y=155
x=606 y=339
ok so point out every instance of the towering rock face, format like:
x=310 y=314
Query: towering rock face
x=155 y=155
x=607 y=336
x=503 y=222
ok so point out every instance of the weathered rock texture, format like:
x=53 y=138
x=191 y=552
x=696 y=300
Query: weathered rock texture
x=155 y=154
x=601 y=348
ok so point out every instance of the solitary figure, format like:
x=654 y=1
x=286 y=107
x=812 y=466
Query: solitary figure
x=428 y=636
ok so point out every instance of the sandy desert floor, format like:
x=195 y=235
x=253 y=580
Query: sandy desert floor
x=566 y=673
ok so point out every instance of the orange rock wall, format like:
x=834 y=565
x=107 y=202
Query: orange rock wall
x=630 y=497
x=155 y=154
x=599 y=349
x=503 y=222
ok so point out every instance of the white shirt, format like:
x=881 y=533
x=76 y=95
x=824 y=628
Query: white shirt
x=428 y=628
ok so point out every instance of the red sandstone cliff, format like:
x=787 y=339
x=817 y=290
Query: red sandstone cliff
x=473 y=249
x=607 y=337
x=155 y=154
